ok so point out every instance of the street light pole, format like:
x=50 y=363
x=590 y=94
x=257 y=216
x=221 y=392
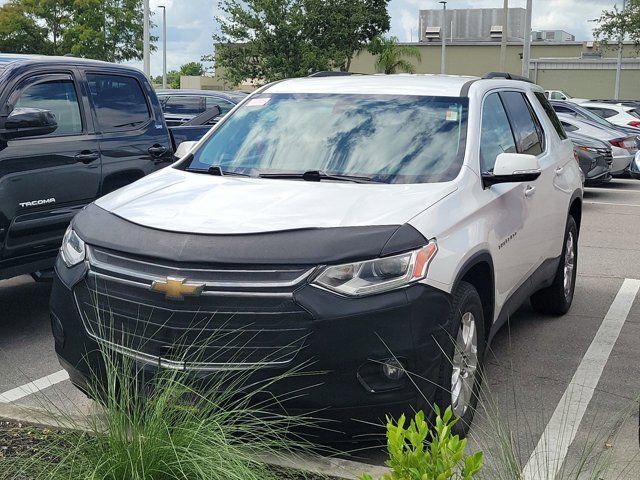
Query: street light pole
x=146 y=64
x=526 y=52
x=164 y=45
x=443 y=37
x=505 y=33
x=616 y=93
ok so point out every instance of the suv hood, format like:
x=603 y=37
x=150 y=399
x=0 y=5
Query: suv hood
x=179 y=201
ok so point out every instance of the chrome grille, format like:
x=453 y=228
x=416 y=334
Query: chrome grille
x=244 y=318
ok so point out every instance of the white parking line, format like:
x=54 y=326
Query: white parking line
x=33 y=387
x=546 y=460
x=611 y=203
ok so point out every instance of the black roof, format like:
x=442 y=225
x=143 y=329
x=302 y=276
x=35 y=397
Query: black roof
x=10 y=59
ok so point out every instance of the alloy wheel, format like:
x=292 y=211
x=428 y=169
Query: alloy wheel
x=569 y=264
x=465 y=365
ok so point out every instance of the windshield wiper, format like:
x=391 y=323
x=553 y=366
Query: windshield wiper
x=216 y=170
x=318 y=175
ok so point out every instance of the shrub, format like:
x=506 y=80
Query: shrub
x=420 y=453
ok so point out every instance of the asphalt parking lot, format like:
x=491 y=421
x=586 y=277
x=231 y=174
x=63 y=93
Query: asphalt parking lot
x=564 y=385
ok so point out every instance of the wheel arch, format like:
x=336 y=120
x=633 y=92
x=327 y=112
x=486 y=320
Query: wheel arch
x=575 y=208
x=478 y=271
x=119 y=179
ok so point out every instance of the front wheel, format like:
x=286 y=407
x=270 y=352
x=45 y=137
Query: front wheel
x=556 y=299
x=460 y=375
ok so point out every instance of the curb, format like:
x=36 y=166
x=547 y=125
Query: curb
x=329 y=466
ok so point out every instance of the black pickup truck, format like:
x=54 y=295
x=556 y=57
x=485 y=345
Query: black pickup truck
x=71 y=130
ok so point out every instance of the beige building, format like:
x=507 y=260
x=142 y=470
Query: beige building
x=582 y=69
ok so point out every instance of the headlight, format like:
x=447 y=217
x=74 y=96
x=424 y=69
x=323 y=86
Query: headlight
x=72 y=250
x=378 y=275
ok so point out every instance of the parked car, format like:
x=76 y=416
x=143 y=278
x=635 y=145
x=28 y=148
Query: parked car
x=634 y=168
x=561 y=95
x=180 y=106
x=582 y=113
x=623 y=147
x=594 y=157
x=193 y=130
x=355 y=225
x=71 y=130
x=617 y=114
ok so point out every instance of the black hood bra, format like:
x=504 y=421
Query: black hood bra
x=309 y=246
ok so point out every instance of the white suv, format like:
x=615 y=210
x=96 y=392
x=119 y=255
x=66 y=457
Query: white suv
x=378 y=229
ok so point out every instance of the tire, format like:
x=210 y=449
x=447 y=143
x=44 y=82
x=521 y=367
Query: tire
x=466 y=315
x=556 y=299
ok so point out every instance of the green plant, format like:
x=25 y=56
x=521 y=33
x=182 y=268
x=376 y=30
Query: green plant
x=166 y=428
x=417 y=452
x=392 y=56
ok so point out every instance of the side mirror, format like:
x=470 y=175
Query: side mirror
x=28 y=122
x=512 y=167
x=184 y=148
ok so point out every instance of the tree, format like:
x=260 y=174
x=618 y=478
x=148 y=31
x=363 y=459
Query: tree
x=616 y=24
x=35 y=26
x=108 y=30
x=267 y=40
x=391 y=55
x=344 y=27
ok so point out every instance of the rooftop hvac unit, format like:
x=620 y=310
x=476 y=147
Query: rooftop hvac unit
x=431 y=33
x=496 y=31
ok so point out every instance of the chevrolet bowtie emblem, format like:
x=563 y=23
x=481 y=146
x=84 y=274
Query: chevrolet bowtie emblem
x=177 y=288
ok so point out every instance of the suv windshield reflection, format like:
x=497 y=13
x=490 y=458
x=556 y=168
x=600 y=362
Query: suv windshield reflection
x=386 y=138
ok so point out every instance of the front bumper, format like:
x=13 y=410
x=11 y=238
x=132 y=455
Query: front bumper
x=344 y=342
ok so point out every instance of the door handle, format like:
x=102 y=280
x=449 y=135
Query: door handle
x=559 y=170
x=529 y=191
x=87 y=156
x=156 y=150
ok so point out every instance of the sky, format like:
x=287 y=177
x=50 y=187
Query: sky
x=190 y=23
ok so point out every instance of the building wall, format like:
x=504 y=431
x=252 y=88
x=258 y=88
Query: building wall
x=473 y=23
x=479 y=58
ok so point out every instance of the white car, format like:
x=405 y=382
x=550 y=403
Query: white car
x=615 y=113
x=623 y=146
x=378 y=229
x=561 y=95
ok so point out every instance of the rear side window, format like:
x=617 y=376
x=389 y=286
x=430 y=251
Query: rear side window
x=119 y=101
x=59 y=97
x=568 y=127
x=191 y=105
x=562 y=109
x=526 y=128
x=548 y=109
x=496 y=136
x=602 y=112
x=225 y=105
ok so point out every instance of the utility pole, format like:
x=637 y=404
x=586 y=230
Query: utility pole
x=526 y=52
x=146 y=65
x=164 y=45
x=616 y=93
x=443 y=37
x=505 y=34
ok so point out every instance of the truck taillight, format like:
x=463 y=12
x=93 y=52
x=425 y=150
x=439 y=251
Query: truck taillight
x=634 y=123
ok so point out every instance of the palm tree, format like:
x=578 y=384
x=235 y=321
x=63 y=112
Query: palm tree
x=392 y=56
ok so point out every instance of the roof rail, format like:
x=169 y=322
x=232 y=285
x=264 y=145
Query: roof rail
x=507 y=76
x=333 y=73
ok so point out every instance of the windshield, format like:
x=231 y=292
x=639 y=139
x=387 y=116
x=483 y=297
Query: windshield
x=386 y=138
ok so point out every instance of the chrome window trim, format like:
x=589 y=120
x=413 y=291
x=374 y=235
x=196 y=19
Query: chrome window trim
x=94 y=262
